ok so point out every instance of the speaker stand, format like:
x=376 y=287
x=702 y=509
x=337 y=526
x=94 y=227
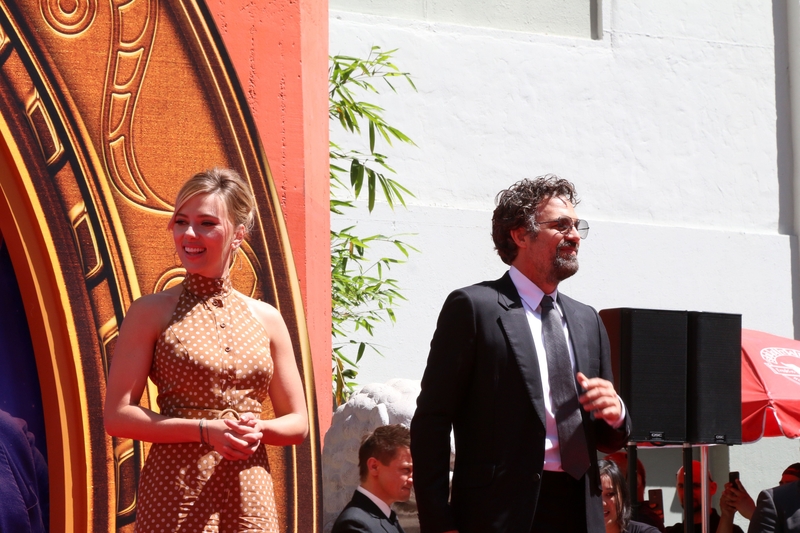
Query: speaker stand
x=688 y=489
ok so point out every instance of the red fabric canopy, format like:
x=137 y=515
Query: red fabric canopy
x=770 y=386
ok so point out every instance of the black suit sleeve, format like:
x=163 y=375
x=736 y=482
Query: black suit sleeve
x=765 y=517
x=444 y=384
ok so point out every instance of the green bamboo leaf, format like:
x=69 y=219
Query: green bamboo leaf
x=371 y=137
x=387 y=192
x=371 y=184
x=361 y=349
x=363 y=295
x=356 y=176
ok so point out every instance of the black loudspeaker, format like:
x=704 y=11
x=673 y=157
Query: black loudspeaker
x=648 y=357
x=715 y=378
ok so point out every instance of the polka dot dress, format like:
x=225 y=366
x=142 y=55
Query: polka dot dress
x=214 y=355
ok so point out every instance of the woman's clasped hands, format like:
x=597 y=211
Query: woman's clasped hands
x=235 y=439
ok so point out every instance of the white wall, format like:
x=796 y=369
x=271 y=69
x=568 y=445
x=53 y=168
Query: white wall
x=673 y=129
x=556 y=17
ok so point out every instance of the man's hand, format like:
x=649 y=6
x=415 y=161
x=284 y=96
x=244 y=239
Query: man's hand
x=738 y=499
x=600 y=398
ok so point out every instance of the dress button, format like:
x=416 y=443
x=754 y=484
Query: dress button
x=222 y=325
x=216 y=302
x=227 y=348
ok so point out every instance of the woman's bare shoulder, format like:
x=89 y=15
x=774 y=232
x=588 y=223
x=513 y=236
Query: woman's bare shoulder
x=154 y=309
x=262 y=310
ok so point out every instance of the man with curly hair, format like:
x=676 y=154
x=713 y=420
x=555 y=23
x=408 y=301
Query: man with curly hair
x=522 y=375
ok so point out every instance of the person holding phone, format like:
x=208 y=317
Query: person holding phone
x=714 y=519
x=734 y=498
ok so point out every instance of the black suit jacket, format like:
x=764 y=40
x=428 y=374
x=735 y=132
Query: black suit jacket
x=483 y=380
x=361 y=515
x=777 y=510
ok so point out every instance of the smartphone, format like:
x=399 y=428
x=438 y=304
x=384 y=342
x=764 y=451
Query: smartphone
x=655 y=498
x=732 y=477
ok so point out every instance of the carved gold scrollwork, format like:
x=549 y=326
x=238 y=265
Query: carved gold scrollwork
x=68 y=17
x=245 y=269
x=133 y=28
x=170 y=278
x=86 y=241
x=4 y=40
x=42 y=125
x=108 y=334
x=126 y=467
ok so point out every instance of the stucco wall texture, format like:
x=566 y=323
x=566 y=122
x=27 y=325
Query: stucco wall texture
x=675 y=129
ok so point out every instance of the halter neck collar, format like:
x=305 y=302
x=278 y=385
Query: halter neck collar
x=204 y=287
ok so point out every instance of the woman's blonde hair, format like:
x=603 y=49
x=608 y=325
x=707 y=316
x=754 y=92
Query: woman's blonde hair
x=229 y=185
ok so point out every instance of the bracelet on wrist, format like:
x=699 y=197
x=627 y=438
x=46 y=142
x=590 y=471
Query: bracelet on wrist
x=202 y=435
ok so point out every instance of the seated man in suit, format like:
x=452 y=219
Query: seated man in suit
x=384 y=464
x=777 y=510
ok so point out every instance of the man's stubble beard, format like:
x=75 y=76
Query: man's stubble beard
x=564 y=267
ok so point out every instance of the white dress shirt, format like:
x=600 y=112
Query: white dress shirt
x=531 y=296
x=377 y=501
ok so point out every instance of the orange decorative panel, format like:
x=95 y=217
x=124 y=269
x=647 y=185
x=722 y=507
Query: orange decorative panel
x=105 y=111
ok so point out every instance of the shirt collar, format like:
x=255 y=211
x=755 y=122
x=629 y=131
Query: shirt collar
x=377 y=501
x=530 y=293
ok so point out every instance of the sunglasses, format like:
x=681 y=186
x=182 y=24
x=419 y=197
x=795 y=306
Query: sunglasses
x=565 y=224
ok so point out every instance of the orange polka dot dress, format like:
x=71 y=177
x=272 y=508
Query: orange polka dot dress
x=214 y=355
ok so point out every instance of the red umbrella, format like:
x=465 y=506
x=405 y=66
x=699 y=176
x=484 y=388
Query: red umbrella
x=770 y=386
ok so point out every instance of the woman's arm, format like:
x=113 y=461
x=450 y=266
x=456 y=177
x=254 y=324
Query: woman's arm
x=127 y=377
x=290 y=425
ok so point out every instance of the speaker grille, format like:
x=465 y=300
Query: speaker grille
x=649 y=358
x=715 y=378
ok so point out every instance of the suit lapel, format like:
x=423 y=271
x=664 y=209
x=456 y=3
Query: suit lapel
x=518 y=331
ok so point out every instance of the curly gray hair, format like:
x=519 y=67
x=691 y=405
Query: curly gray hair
x=517 y=205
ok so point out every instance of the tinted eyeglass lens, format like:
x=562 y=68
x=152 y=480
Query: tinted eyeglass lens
x=583 y=228
x=564 y=224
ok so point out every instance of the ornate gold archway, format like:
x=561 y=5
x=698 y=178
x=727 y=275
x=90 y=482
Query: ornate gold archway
x=104 y=112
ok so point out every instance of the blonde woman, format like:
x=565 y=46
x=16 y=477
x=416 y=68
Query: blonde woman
x=215 y=356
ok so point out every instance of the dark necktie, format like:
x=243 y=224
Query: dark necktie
x=564 y=396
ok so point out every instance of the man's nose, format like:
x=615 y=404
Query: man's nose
x=573 y=234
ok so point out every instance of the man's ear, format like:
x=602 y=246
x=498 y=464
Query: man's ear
x=712 y=488
x=519 y=236
x=372 y=466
